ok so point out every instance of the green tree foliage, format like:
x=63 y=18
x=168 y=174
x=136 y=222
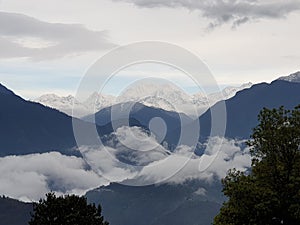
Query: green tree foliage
x=269 y=193
x=66 y=210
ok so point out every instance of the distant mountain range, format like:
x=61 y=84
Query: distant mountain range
x=68 y=103
x=242 y=111
x=165 y=96
x=29 y=127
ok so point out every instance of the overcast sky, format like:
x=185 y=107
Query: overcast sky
x=47 y=45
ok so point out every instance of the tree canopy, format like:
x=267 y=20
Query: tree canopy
x=66 y=210
x=269 y=193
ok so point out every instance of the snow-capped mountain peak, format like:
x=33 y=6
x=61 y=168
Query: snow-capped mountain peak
x=71 y=106
x=230 y=91
x=162 y=95
x=294 y=77
x=146 y=89
x=56 y=101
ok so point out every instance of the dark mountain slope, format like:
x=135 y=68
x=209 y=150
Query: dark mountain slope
x=28 y=127
x=243 y=108
x=140 y=115
x=158 y=204
x=14 y=212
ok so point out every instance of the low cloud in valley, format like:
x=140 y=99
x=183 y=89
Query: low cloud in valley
x=29 y=177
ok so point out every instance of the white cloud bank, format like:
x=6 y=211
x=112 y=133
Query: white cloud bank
x=162 y=166
x=29 y=177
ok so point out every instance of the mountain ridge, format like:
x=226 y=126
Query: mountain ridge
x=165 y=96
x=4 y=90
x=251 y=101
x=294 y=77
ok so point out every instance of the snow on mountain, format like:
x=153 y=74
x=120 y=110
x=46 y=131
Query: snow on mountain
x=96 y=101
x=166 y=96
x=203 y=101
x=172 y=98
x=144 y=90
x=63 y=104
x=294 y=77
x=227 y=93
x=71 y=106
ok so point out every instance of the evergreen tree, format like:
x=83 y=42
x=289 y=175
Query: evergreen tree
x=66 y=210
x=269 y=193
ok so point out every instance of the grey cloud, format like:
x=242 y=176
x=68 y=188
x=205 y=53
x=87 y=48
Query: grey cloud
x=235 y=12
x=10 y=49
x=64 y=39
